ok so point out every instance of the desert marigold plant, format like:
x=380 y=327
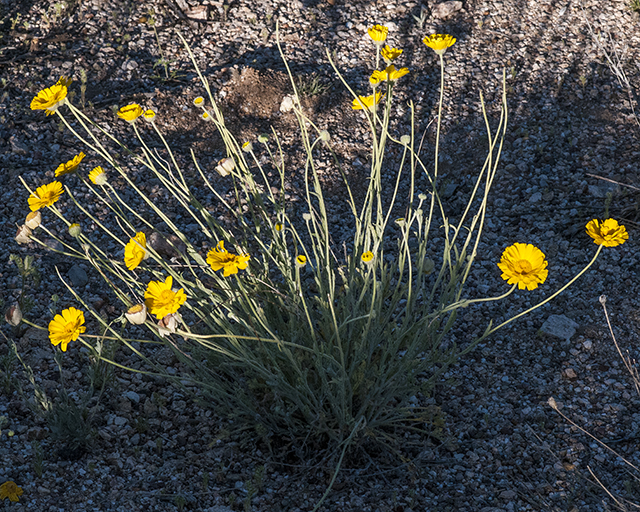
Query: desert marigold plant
x=70 y=166
x=300 y=336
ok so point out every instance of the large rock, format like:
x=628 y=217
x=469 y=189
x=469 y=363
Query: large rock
x=559 y=326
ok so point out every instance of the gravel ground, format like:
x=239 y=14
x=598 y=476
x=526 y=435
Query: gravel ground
x=504 y=448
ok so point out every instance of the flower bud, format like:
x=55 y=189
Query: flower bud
x=247 y=147
x=301 y=261
x=405 y=139
x=23 y=234
x=149 y=115
x=33 y=220
x=325 y=136
x=137 y=314
x=199 y=101
x=75 y=230
x=13 y=315
x=225 y=166
x=264 y=138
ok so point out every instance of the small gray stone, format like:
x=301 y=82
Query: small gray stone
x=135 y=439
x=77 y=276
x=133 y=396
x=559 y=326
x=536 y=197
x=445 y=9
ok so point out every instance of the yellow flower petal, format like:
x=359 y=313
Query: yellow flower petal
x=51 y=98
x=367 y=102
x=161 y=300
x=378 y=33
x=70 y=166
x=130 y=113
x=221 y=258
x=135 y=251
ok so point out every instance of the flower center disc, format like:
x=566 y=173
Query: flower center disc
x=166 y=296
x=523 y=267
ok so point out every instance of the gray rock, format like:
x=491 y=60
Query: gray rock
x=133 y=396
x=559 y=326
x=445 y=9
x=78 y=276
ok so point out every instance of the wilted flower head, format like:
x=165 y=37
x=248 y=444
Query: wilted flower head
x=524 y=265
x=378 y=33
x=221 y=258
x=161 y=300
x=607 y=232
x=23 y=234
x=45 y=195
x=10 y=490
x=168 y=324
x=33 y=220
x=390 y=54
x=136 y=314
x=225 y=166
x=130 y=113
x=247 y=147
x=135 y=251
x=66 y=327
x=51 y=98
x=439 y=42
x=13 y=315
x=70 y=166
x=98 y=176
x=366 y=102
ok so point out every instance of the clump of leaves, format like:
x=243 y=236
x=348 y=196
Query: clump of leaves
x=311 y=85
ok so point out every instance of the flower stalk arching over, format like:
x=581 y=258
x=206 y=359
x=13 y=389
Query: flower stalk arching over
x=66 y=327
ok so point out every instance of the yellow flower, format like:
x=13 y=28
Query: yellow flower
x=135 y=251
x=390 y=54
x=66 y=327
x=10 y=490
x=279 y=226
x=130 y=113
x=247 y=147
x=45 y=195
x=221 y=258
x=70 y=166
x=391 y=73
x=199 y=101
x=439 y=42
x=367 y=257
x=206 y=116
x=98 y=176
x=607 y=232
x=149 y=115
x=301 y=261
x=367 y=102
x=161 y=300
x=378 y=33
x=524 y=265
x=51 y=98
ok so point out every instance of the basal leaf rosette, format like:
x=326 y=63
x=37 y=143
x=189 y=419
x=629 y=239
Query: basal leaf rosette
x=161 y=300
x=439 y=42
x=66 y=327
x=607 y=232
x=51 y=98
x=45 y=195
x=221 y=258
x=524 y=265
